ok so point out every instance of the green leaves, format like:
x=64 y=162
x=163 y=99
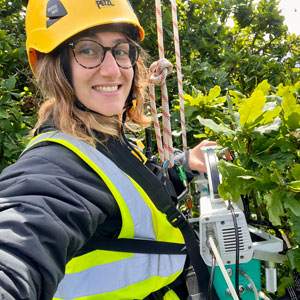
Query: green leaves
x=219 y=129
x=256 y=111
x=17 y=114
x=206 y=100
x=295 y=186
x=278 y=160
x=295 y=224
x=9 y=84
x=290 y=106
x=294 y=258
x=235 y=180
x=251 y=109
x=262 y=133
x=274 y=205
x=293 y=204
x=295 y=171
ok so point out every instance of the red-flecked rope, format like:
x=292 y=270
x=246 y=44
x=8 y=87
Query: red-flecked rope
x=179 y=73
x=167 y=133
x=159 y=71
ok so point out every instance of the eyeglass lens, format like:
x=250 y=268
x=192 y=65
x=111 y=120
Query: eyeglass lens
x=90 y=54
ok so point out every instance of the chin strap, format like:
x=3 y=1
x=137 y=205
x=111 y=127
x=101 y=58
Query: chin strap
x=65 y=64
x=128 y=106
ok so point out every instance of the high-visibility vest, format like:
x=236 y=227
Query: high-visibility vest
x=102 y=274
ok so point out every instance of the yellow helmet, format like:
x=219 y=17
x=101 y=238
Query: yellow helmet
x=51 y=22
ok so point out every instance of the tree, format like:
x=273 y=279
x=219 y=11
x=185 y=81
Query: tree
x=256 y=48
x=17 y=110
x=237 y=57
x=262 y=132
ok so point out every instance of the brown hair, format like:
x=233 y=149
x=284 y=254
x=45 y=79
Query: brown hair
x=70 y=119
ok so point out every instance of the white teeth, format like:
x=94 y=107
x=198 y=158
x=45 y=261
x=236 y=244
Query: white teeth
x=106 y=88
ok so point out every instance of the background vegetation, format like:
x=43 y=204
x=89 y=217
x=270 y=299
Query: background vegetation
x=242 y=90
x=17 y=109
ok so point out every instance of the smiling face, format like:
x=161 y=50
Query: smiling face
x=105 y=88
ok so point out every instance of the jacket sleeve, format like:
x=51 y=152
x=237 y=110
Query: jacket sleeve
x=181 y=158
x=51 y=203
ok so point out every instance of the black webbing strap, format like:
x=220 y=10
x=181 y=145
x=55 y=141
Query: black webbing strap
x=136 y=246
x=296 y=279
x=177 y=219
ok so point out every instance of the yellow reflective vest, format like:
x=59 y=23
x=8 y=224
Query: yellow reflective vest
x=112 y=275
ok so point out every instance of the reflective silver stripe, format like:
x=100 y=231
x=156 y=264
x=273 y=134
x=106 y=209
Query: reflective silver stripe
x=139 y=211
x=110 y=277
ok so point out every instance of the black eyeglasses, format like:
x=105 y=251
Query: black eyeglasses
x=90 y=54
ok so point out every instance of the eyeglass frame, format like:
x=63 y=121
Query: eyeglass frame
x=105 y=49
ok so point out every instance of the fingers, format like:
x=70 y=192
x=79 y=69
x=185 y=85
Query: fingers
x=196 y=157
x=207 y=143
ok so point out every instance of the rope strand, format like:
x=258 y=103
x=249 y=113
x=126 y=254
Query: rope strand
x=179 y=73
x=167 y=134
x=159 y=71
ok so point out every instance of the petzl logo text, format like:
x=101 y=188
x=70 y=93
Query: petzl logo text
x=104 y=3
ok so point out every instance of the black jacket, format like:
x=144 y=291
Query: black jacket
x=51 y=205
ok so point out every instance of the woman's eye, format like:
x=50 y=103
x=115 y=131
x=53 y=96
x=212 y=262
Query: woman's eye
x=87 y=51
x=120 y=52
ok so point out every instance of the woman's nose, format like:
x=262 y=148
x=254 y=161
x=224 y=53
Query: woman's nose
x=109 y=66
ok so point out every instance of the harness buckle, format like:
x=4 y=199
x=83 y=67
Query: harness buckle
x=177 y=219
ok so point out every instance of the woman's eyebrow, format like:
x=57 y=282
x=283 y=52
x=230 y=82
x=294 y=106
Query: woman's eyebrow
x=87 y=36
x=95 y=38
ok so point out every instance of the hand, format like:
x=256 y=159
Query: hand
x=196 y=156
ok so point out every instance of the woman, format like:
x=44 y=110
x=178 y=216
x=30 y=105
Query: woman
x=80 y=185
